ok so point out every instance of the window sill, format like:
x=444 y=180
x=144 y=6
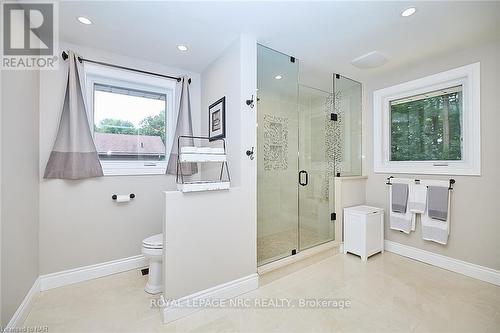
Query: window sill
x=132 y=172
x=428 y=168
x=133 y=168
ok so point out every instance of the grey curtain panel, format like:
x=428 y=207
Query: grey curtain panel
x=74 y=155
x=184 y=127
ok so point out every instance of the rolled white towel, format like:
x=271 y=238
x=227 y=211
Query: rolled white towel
x=417 y=198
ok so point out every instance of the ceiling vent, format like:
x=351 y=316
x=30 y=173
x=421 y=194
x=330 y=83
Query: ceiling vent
x=370 y=60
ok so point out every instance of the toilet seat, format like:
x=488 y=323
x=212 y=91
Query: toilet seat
x=153 y=242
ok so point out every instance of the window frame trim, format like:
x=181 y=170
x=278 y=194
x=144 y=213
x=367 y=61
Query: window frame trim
x=469 y=77
x=100 y=74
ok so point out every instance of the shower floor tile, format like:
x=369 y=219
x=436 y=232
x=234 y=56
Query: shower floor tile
x=281 y=244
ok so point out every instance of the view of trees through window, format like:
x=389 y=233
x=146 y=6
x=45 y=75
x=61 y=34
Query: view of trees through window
x=427 y=127
x=151 y=125
x=129 y=124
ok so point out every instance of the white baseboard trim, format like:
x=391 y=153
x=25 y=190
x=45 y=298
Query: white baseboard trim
x=266 y=268
x=80 y=274
x=458 y=266
x=24 y=308
x=182 y=307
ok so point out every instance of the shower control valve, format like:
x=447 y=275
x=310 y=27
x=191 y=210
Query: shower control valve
x=250 y=154
x=250 y=102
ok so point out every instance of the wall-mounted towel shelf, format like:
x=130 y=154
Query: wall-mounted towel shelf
x=202 y=154
x=195 y=154
x=417 y=181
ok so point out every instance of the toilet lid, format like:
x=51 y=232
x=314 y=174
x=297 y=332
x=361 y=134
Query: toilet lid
x=155 y=241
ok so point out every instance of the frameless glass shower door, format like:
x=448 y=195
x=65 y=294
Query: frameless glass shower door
x=316 y=167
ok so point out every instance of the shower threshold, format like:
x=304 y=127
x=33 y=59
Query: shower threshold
x=334 y=246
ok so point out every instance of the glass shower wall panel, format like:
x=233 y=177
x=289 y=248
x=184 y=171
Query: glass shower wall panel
x=277 y=164
x=347 y=131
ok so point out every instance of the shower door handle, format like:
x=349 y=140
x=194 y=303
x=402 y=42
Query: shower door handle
x=301 y=172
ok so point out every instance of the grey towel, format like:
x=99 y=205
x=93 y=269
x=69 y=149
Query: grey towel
x=399 y=197
x=184 y=127
x=437 y=202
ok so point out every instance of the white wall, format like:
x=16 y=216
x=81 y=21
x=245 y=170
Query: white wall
x=19 y=187
x=79 y=223
x=216 y=242
x=219 y=79
x=475 y=214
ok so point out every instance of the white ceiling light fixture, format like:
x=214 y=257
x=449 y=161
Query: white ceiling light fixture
x=84 y=20
x=182 y=48
x=409 y=11
x=278 y=77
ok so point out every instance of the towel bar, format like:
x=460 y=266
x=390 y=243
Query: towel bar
x=417 y=181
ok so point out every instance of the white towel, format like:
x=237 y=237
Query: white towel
x=397 y=221
x=417 y=198
x=432 y=229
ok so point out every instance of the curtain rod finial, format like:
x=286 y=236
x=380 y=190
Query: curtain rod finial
x=65 y=56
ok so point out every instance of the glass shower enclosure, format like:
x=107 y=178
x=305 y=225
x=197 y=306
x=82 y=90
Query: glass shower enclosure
x=299 y=151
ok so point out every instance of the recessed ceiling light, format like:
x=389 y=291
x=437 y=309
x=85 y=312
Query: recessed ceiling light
x=278 y=77
x=408 y=11
x=182 y=48
x=84 y=20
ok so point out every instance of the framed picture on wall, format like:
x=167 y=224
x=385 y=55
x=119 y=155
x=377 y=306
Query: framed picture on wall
x=217 y=120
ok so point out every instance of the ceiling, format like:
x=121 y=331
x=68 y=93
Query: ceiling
x=324 y=36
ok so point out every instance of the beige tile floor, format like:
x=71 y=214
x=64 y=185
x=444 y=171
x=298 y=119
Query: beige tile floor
x=389 y=293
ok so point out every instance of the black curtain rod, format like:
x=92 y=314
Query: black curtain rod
x=80 y=59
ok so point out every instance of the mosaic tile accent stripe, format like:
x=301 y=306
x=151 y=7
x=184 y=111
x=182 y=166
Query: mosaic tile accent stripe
x=334 y=137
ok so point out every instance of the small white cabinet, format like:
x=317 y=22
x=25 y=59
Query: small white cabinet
x=363 y=230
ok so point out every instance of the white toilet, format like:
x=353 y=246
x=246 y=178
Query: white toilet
x=152 y=249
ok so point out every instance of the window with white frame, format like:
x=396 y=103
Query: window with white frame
x=131 y=119
x=430 y=125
